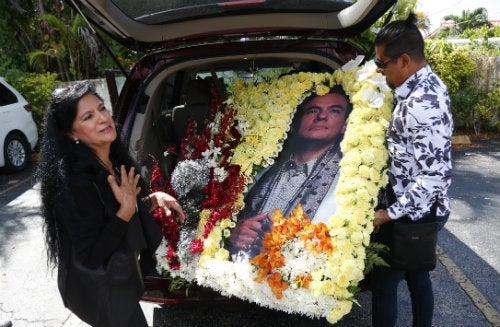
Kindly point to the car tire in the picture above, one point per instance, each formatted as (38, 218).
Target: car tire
(16, 152)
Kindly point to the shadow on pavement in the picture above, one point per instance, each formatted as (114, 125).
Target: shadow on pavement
(15, 216)
(481, 274)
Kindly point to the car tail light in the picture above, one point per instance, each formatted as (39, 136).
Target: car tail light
(27, 108)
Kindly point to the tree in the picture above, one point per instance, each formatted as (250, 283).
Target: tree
(470, 19)
(69, 45)
(15, 34)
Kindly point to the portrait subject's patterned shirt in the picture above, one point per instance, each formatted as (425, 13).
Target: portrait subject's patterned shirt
(419, 143)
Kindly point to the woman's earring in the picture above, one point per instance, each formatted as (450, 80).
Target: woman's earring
(77, 141)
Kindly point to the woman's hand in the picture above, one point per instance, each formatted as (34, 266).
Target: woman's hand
(168, 203)
(125, 190)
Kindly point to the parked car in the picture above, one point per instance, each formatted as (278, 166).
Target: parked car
(192, 46)
(18, 131)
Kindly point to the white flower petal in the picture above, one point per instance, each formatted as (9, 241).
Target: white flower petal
(373, 98)
(353, 64)
(366, 71)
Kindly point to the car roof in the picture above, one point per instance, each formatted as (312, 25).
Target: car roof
(155, 24)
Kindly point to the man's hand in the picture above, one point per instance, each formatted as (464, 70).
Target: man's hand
(381, 217)
(249, 232)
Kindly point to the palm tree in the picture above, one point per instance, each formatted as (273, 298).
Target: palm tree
(71, 46)
(470, 19)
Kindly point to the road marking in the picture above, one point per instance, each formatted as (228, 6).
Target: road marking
(468, 287)
(14, 186)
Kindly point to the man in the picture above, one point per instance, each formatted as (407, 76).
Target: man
(419, 143)
(304, 174)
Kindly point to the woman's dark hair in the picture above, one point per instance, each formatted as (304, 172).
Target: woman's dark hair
(61, 156)
(402, 36)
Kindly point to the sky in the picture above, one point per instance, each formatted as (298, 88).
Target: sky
(437, 9)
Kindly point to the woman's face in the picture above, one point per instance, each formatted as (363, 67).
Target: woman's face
(93, 124)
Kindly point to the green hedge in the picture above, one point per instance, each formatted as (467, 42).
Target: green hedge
(470, 75)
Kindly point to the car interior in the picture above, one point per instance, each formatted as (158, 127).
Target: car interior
(182, 93)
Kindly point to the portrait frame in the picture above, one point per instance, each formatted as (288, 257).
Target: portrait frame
(246, 133)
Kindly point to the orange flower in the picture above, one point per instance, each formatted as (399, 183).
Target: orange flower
(277, 284)
(317, 238)
(263, 263)
(303, 281)
(273, 240)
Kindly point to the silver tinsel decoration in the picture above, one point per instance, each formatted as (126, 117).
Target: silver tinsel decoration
(190, 176)
(188, 180)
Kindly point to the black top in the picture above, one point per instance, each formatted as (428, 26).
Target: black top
(86, 213)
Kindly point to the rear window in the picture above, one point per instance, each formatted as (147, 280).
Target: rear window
(161, 11)
(6, 96)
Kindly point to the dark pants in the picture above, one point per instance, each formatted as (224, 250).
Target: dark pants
(384, 285)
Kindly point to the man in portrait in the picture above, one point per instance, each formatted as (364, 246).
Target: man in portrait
(305, 172)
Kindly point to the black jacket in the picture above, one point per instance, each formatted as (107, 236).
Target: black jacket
(90, 230)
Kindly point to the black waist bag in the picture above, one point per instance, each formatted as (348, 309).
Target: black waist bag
(414, 245)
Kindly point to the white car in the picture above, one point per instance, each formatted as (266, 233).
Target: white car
(18, 131)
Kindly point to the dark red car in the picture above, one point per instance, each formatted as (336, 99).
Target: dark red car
(194, 45)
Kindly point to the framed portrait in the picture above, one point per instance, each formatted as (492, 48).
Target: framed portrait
(305, 153)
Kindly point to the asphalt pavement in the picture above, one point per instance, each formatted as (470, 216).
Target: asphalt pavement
(466, 280)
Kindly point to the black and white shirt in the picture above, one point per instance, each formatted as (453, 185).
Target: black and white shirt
(419, 143)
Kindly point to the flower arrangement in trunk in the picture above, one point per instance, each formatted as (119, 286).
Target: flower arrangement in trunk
(305, 268)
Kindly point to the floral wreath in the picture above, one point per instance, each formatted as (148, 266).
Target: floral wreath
(311, 269)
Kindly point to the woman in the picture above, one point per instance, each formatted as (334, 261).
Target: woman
(96, 227)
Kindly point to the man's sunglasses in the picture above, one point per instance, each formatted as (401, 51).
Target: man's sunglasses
(381, 64)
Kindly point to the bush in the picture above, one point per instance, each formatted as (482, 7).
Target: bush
(489, 108)
(454, 65)
(470, 75)
(36, 88)
(464, 106)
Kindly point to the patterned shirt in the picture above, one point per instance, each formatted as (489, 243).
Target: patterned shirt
(291, 180)
(419, 143)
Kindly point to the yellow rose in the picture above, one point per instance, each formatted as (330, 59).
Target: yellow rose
(221, 254)
(351, 270)
(345, 200)
(357, 238)
(322, 89)
(349, 171)
(336, 221)
(341, 309)
(358, 217)
(317, 274)
(327, 287)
